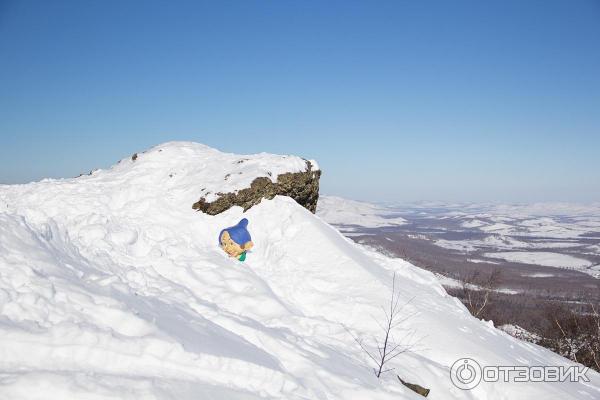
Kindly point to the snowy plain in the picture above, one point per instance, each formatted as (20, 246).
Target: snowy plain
(542, 258)
(112, 287)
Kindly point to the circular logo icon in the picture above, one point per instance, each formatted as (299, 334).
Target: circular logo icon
(465, 373)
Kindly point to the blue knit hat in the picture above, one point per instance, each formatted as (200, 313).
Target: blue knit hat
(238, 233)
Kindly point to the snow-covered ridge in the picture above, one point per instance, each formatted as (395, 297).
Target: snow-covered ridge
(181, 171)
(112, 287)
(344, 212)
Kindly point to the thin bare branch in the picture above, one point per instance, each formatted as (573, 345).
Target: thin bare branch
(388, 348)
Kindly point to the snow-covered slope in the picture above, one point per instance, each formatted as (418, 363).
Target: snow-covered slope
(112, 287)
(346, 213)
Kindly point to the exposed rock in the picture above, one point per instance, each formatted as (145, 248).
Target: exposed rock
(88, 174)
(300, 186)
(415, 388)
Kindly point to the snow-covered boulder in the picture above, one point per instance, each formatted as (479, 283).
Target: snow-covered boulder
(302, 186)
(217, 181)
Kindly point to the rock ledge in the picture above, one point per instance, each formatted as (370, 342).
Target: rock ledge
(300, 186)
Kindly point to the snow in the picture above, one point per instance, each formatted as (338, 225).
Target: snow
(474, 223)
(497, 228)
(480, 261)
(539, 275)
(112, 287)
(552, 245)
(499, 241)
(460, 245)
(542, 258)
(548, 220)
(503, 243)
(192, 170)
(547, 208)
(594, 249)
(449, 282)
(520, 332)
(494, 241)
(338, 211)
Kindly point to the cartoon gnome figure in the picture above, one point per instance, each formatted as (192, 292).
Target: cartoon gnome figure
(236, 240)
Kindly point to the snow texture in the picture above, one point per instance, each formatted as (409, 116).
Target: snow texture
(343, 212)
(112, 287)
(544, 258)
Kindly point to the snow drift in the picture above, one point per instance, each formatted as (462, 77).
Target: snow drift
(112, 287)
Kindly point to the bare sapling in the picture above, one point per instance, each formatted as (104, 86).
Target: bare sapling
(476, 291)
(388, 346)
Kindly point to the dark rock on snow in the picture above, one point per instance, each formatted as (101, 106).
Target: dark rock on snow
(300, 186)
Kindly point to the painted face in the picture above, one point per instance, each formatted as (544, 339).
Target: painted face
(231, 247)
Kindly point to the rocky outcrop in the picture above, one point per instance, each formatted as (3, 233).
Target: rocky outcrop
(300, 186)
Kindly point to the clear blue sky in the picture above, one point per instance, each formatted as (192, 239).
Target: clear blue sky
(419, 100)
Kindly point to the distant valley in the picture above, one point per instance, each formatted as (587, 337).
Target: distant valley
(545, 253)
